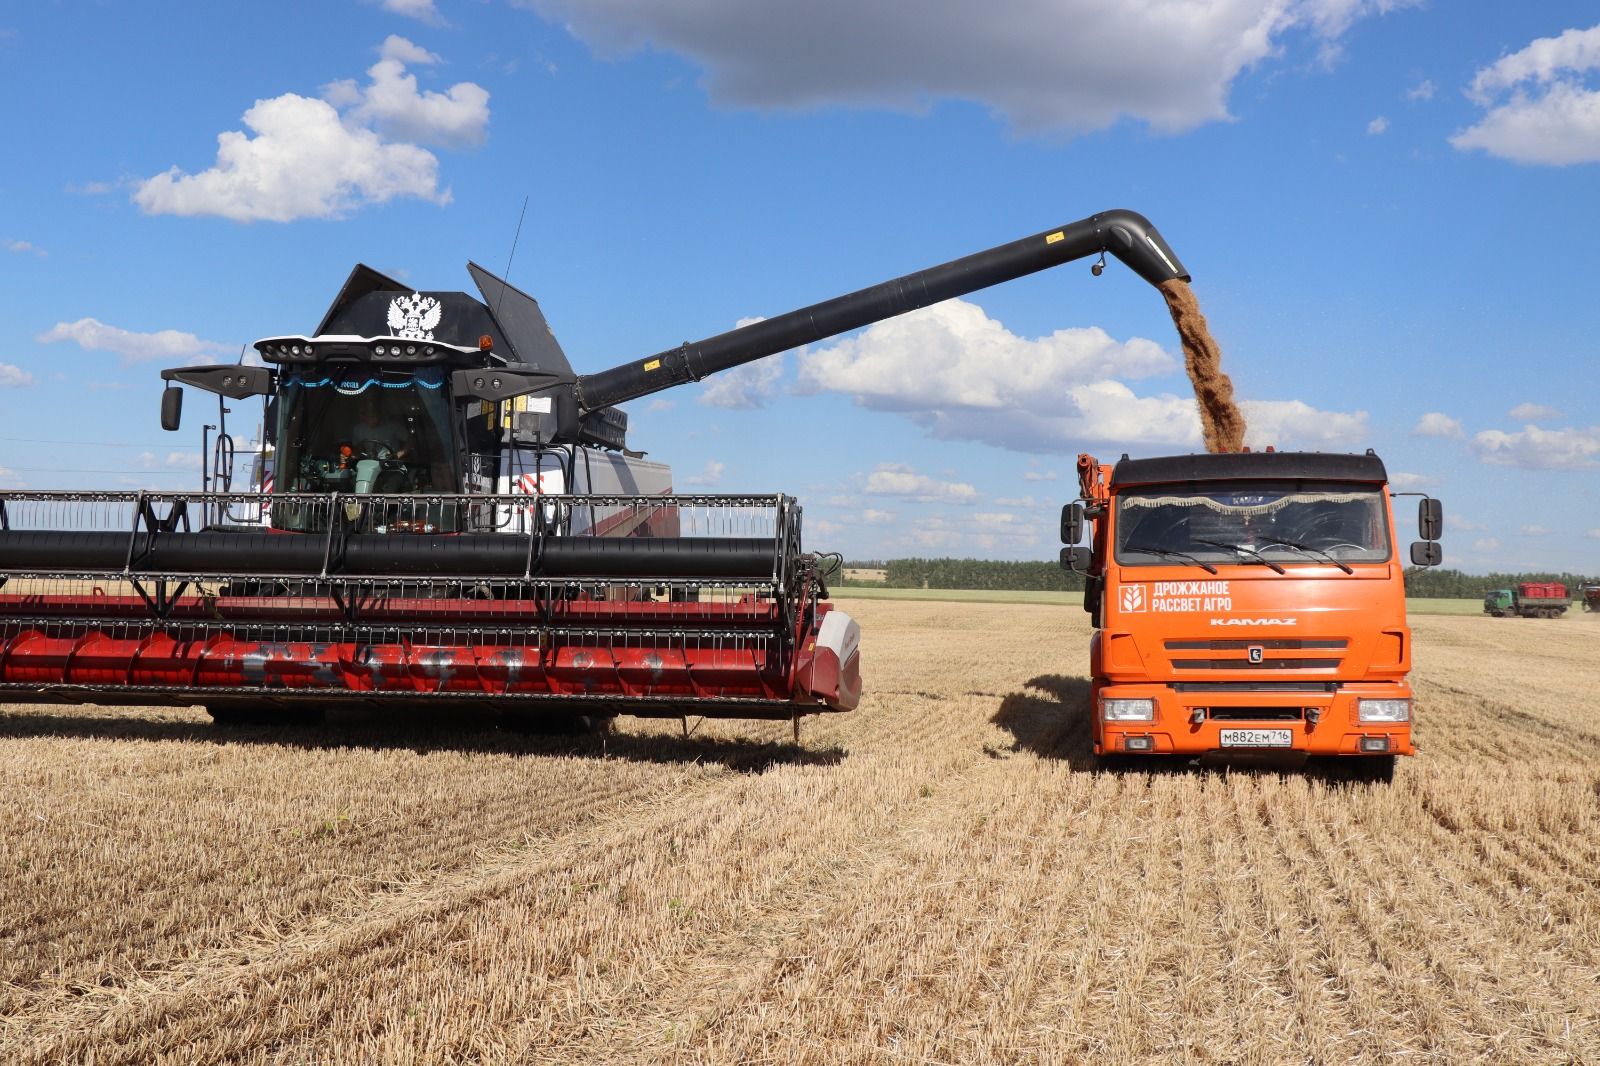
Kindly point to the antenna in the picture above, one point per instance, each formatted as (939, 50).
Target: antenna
(506, 274)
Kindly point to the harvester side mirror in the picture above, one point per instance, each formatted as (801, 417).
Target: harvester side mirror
(569, 422)
(171, 408)
(1072, 523)
(1075, 559)
(1430, 518)
(1426, 553)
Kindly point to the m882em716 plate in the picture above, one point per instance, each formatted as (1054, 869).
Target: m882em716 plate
(1257, 738)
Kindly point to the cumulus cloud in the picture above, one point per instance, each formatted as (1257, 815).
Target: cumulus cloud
(1540, 103)
(1487, 544)
(1534, 531)
(745, 387)
(1038, 475)
(391, 103)
(898, 479)
(962, 375)
(1423, 90)
(421, 10)
(710, 477)
(1593, 534)
(14, 376)
(1540, 449)
(303, 158)
(1405, 482)
(1069, 65)
(1280, 422)
(93, 335)
(1533, 412)
(1377, 126)
(1437, 424)
(25, 248)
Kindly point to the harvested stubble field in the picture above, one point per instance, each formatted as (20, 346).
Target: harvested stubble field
(940, 877)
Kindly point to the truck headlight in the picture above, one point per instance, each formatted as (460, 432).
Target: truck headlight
(1383, 710)
(1127, 710)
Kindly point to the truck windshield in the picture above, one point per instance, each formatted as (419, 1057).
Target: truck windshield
(363, 430)
(1262, 523)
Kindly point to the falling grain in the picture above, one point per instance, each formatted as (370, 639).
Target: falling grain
(1221, 423)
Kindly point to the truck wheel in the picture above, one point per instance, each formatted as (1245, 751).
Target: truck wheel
(1377, 768)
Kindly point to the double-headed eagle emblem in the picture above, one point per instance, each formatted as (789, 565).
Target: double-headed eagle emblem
(414, 317)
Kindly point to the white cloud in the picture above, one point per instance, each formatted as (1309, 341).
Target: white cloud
(710, 477)
(744, 387)
(1025, 502)
(658, 404)
(1294, 422)
(1593, 534)
(1377, 126)
(1539, 107)
(1534, 531)
(1437, 424)
(1533, 412)
(421, 10)
(962, 375)
(14, 376)
(1404, 482)
(1423, 90)
(392, 104)
(1487, 544)
(304, 159)
(9, 479)
(25, 248)
(1540, 449)
(874, 517)
(898, 479)
(1072, 65)
(93, 335)
(1462, 525)
(1038, 475)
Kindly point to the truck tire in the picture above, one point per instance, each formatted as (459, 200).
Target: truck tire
(1375, 768)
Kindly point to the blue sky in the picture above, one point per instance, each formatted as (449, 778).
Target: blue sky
(1388, 208)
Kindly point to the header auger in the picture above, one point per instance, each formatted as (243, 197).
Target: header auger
(442, 511)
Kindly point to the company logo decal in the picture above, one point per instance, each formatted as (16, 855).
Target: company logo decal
(1253, 621)
(1255, 653)
(1133, 598)
(1165, 597)
(414, 317)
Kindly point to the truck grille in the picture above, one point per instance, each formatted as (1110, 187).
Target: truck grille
(1277, 653)
(1255, 714)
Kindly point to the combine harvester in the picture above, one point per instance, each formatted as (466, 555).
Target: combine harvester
(445, 514)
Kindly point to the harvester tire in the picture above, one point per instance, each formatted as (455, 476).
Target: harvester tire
(1376, 768)
(229, 717)
(555, 724)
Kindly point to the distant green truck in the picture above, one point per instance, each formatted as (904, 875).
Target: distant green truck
(1530, 599)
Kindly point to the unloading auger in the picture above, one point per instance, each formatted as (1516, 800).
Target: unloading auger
(443, 513)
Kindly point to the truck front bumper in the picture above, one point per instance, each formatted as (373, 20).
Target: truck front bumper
(1189, 722)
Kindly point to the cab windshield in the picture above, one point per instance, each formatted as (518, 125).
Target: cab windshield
(364, 430)
(1281, 523)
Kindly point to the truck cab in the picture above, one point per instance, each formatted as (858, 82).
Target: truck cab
(1247, 603)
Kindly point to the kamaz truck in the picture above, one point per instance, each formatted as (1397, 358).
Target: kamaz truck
(1247, 603)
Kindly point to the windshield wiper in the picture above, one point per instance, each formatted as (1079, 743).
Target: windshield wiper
(1318, 552)
(1241, 549)
(1207, 567)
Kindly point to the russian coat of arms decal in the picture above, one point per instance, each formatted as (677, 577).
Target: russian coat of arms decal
(414, 317)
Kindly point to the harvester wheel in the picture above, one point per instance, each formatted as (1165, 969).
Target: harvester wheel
(555, 724)
(228, 717)
(1378, 768)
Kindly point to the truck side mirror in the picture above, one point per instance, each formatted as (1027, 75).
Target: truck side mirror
(1430, 518)
(1075, 559)
(569, 422)
(171, 408)
(1072, 523)
(1426, 553)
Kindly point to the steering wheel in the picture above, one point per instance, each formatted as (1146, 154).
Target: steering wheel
(375, 449)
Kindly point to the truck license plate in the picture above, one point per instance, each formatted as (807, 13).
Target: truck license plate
(1257, 738)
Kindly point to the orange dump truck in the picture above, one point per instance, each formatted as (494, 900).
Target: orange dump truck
(1249, 602)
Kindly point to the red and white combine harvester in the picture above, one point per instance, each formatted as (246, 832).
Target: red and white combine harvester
(444, 513)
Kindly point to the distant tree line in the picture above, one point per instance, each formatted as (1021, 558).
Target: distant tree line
(998, 574)
(1455, 585)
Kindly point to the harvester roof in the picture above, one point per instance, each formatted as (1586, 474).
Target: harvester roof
(1232, 466)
